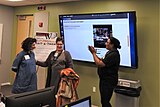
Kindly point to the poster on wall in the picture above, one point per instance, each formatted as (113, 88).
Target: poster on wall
(1, 28)
(46, 42)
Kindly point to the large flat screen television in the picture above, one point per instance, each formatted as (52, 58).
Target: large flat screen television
(81, 30)
(40, 98)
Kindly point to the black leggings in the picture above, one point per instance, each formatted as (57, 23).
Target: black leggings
(106, 91)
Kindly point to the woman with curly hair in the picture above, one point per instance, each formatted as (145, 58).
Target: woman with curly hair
(24, 65)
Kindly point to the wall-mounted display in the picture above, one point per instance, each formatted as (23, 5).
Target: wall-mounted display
(81, 30)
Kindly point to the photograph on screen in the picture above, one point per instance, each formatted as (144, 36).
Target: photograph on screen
(100, 35)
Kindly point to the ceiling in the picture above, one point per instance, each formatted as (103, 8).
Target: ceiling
(31, 2)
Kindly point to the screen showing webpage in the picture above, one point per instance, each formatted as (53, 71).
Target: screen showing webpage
(80, 31)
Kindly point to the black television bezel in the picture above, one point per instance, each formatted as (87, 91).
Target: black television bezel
(133, 42)
(32, 99)
(88, 98)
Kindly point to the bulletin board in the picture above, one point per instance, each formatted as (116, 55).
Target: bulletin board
(1, 32)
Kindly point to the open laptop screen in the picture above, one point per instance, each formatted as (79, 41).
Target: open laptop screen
(84, 102)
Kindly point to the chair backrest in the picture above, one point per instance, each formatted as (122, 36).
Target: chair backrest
(6, 89)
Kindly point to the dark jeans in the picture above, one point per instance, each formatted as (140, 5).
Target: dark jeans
(106, 91)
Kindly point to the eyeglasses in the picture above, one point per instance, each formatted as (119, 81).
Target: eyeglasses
(108, 42)
(59, 44)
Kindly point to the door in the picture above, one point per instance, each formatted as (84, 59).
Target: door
(24, 30)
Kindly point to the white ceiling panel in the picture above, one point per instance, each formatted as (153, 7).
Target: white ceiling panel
(31, 2)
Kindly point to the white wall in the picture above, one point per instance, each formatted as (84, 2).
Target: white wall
(6, 18)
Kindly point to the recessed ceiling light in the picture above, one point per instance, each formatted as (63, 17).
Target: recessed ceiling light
(15, 0)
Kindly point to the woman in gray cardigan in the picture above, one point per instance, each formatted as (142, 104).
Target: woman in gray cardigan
(56, 61)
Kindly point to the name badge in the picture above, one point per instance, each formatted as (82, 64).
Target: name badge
(103, 57)
(26, 57)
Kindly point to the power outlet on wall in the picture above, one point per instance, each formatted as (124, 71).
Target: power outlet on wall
(94, 89)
